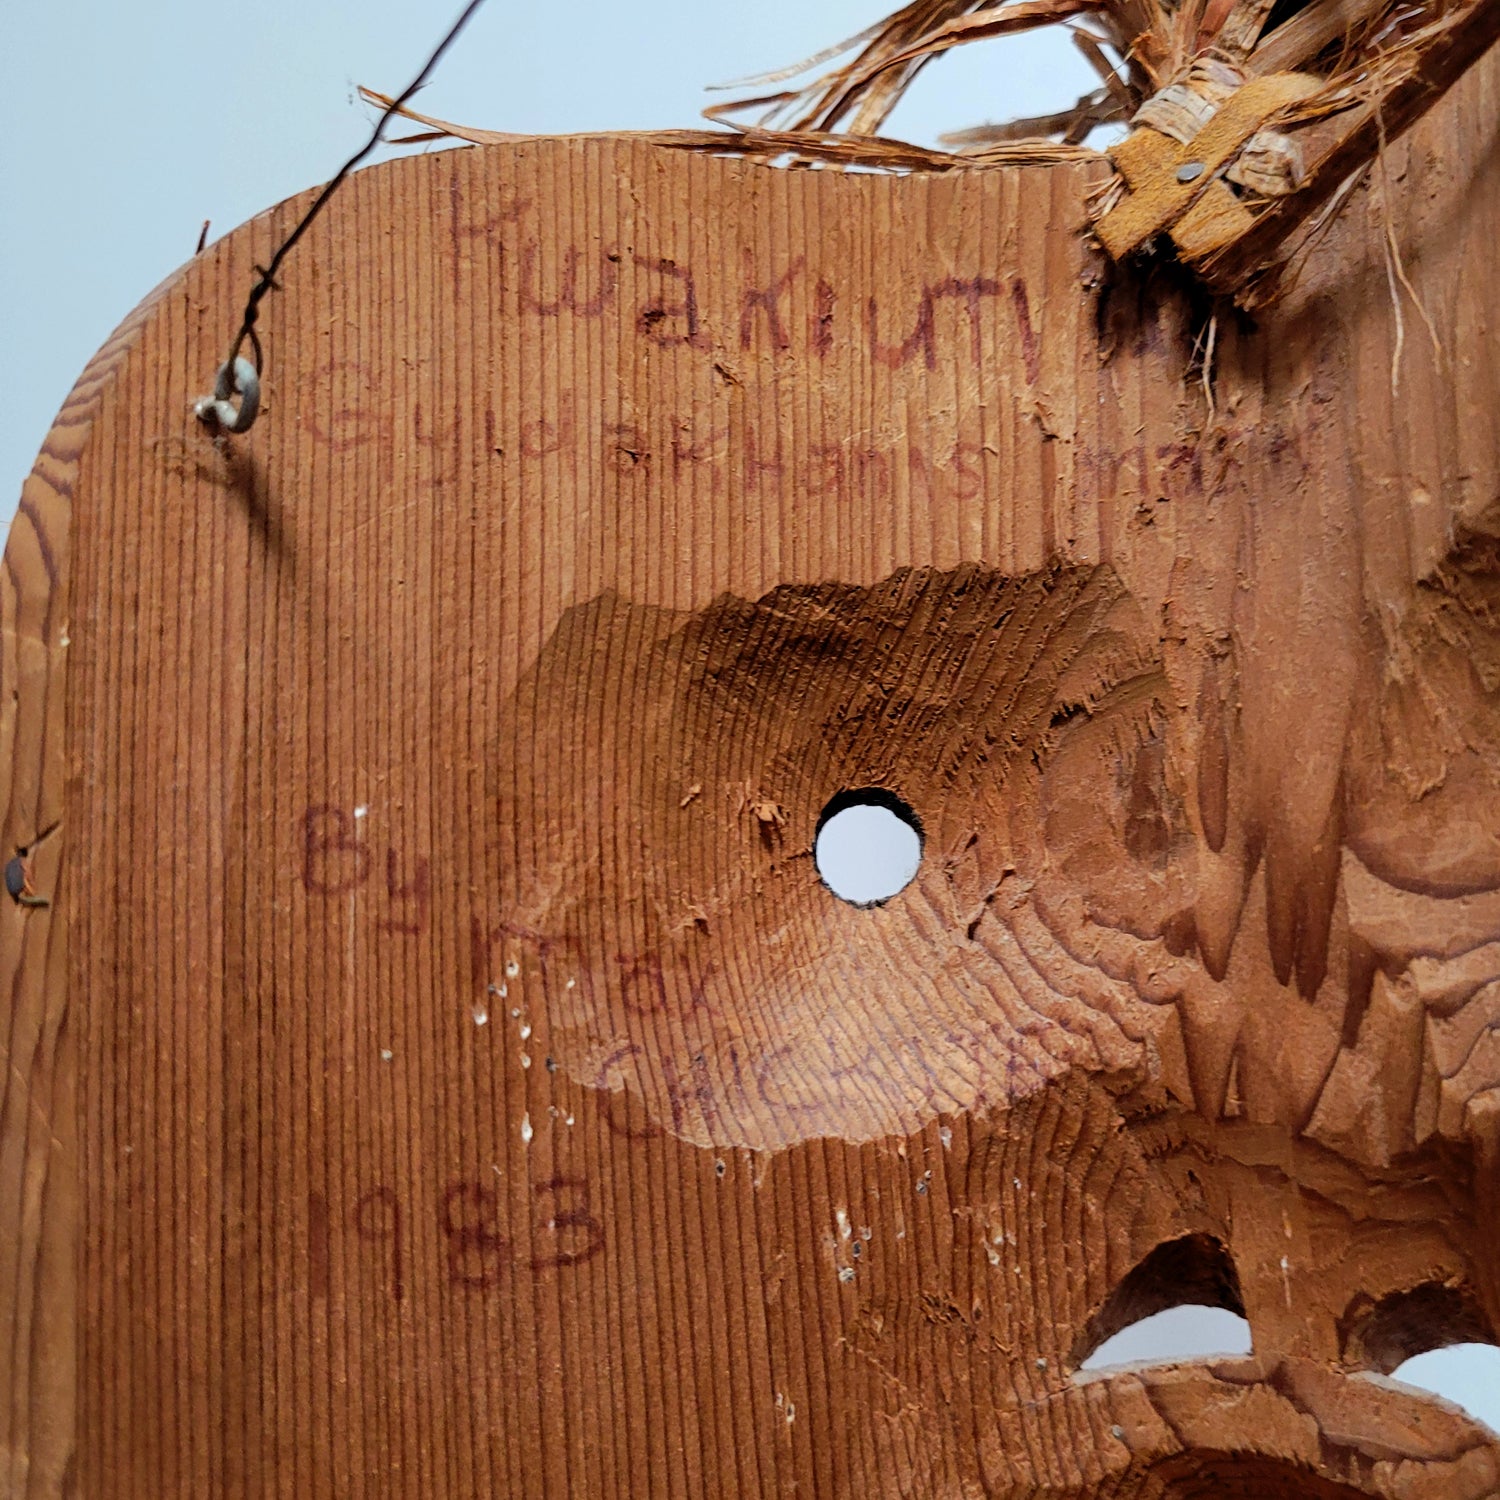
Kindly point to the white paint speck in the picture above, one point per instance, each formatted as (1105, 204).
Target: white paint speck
(515, 1010)
(844, 1230)
(362, 810)
(512, 969)
(945, 1135)
(572, 984)
(993, 1254)
(846, 1273)
(386, 1054)
(525, 1030)
(525, 1059)
(1015, 1182)
(497, 990)
(526, 1131)
(481, 1016)
(569, 1120)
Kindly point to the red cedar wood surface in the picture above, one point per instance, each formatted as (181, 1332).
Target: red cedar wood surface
(455, 1079)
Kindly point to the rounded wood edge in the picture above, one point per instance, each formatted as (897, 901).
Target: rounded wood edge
(53, 599)
(39, 1159)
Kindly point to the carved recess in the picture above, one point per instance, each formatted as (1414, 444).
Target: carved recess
(1113, 882)
(1298, 1048)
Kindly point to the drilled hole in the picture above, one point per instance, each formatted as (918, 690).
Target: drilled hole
(868, 846)
(1182, 1302)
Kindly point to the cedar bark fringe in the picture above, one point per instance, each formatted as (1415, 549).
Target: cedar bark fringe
(1372, 68)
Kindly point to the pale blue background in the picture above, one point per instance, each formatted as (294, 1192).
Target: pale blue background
(124, 126)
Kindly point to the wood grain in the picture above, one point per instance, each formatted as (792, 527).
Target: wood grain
(476, 1093)
(39, 1143)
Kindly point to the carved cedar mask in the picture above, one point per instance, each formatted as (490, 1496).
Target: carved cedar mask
(477, 1088)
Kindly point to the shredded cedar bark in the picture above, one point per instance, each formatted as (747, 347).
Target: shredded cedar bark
(1336, 80)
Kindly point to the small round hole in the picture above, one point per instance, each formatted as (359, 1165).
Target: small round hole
(868, 846)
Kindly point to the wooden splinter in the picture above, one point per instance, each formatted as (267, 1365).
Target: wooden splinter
(442, 1069)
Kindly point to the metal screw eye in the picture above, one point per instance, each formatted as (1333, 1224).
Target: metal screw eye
(219, 410)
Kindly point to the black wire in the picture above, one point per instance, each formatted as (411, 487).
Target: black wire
(267, 282)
